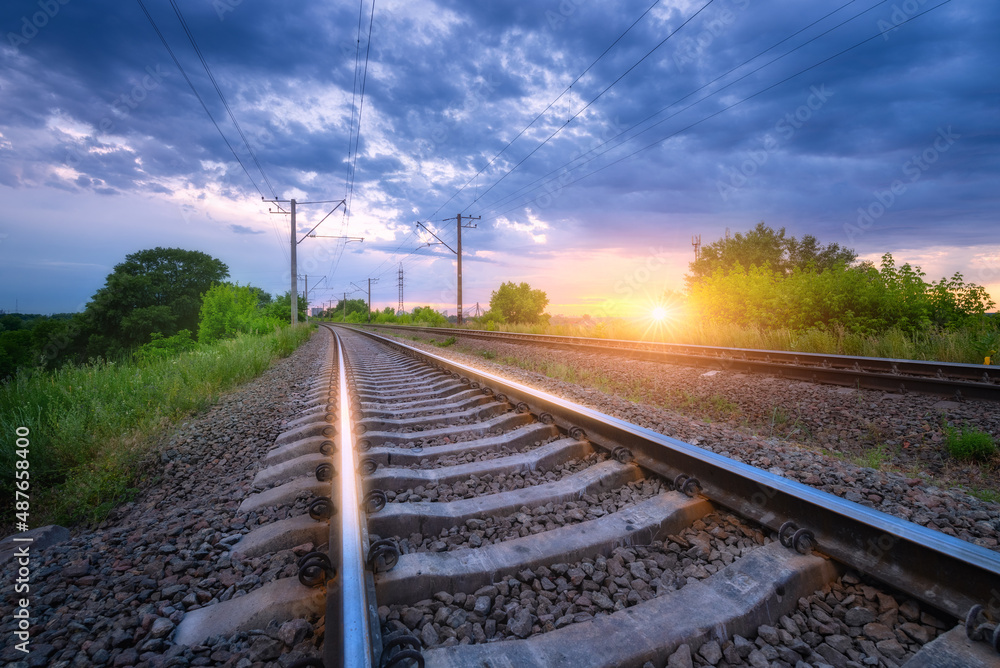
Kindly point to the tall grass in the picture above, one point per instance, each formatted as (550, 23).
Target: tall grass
(969, 345)
(91, 426)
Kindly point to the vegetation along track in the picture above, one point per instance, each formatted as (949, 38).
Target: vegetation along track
(948, 379)
(465, 520)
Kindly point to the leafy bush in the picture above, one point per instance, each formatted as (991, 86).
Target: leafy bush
(859, 299)
(229, 309)
(969, 444)
(160, 347)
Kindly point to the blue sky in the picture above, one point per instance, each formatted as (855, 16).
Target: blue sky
(864, 123)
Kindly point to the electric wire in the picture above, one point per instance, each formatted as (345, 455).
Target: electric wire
(586, 106)
(357, 140)
(413, 233)
(735, 104)
(225, 103)
(547, 107)
(201, 101)
(197, 95)
(527, 187)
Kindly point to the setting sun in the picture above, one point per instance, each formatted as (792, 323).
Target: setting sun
(659, 313)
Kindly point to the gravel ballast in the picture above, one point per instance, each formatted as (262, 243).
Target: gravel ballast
(112, 595)
(806, 432)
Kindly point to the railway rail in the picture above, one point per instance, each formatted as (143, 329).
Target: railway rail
(460, 519)
(958, 381)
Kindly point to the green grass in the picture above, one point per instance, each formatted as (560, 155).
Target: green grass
(969, 345)
(873, 458)
(92, 426)
(988, 495)
(968, 443)
(450, 341)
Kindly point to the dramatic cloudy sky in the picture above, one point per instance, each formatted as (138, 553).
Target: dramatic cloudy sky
(702, 117)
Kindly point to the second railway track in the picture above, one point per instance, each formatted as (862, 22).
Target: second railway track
(945, 379)
(509, 528)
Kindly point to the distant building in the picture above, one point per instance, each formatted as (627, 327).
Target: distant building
(316, 311)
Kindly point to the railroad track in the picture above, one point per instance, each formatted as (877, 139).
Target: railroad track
(958, 381)
(460, 519)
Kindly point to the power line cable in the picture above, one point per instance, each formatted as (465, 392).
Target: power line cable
(197, 95)
(357, 140)
(735, 104)
(592, 101)
(547, 107)
(203, 106)
(527, 187)
(225, 103)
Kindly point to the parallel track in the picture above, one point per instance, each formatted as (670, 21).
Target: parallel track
(958, 381)
(460, 519)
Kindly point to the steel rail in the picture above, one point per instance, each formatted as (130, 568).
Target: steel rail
(349, 609)
(960, 381)
(947, 573)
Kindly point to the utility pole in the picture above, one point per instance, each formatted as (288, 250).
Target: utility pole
(295, 277)
(345, 307)
(458, 219)
(458, 253)
(369, 295)
(399, 309)
(696, 242)
(295, 242)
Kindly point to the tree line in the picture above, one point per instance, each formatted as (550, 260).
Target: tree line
(768, 279)
(157, 301)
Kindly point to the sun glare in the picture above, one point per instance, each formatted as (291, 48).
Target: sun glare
(659, 313)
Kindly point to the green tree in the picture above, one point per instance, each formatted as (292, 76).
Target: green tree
(764, 246)
(155, 290)
(229, 309)
(280, 308)
(428, 317)
(353, 306)
(519, 303)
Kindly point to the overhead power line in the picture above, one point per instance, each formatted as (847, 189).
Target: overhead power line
(547, 107)
(225, 103)
(592, 101)
(584, 159)
(201, 101)
(197, 95)
(352, 156)
(735, 104)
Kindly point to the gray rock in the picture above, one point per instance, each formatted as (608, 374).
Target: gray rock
(294, 631)
(711, 652)
(482, 605)
(412, 617)
(457, 618)
(429, 635)
(769, 634)
(891, 648)
(161, 627)
(681, 658)
(264, 648)
(859, 616)
(743, 646)
(520, 624)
